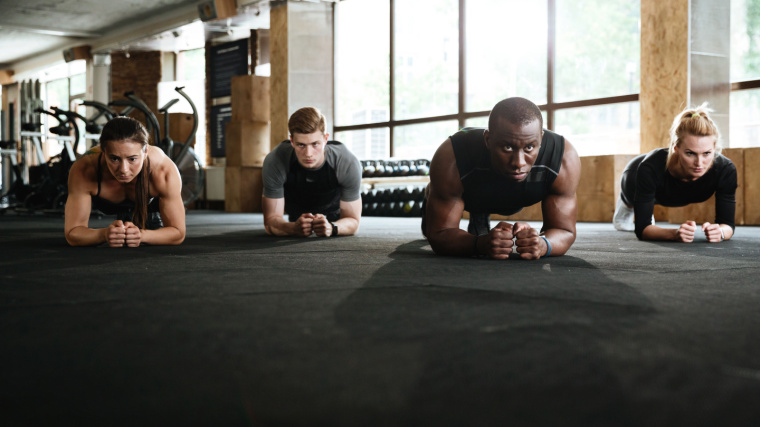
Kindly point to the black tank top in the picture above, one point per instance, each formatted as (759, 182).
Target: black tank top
(486, 191)
(312, 191)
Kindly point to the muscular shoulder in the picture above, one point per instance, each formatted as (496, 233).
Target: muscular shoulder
(84, 172)
(159, 161)
(444, 175)
(570, 171)
(162, 168)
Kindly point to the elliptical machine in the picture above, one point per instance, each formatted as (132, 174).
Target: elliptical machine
(182, 153)
(48, 188)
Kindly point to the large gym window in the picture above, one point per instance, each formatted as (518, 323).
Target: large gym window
(745, 74)
(422, 70)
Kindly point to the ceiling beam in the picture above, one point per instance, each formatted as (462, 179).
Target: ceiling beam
(49, 31)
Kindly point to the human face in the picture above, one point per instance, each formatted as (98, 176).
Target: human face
(124, 159)
(514, 148)
(310, 148)
(695, 155)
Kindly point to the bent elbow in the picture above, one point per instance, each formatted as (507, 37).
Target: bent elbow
(437, 247)
(71, 240)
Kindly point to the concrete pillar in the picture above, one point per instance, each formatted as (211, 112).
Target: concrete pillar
(684, 62)
(301, 43)
(99, 79)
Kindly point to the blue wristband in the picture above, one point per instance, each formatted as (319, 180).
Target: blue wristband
(549, 245)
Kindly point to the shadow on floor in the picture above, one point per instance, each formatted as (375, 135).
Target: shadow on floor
(482, 342)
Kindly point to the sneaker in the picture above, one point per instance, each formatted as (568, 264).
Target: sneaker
(623, 219)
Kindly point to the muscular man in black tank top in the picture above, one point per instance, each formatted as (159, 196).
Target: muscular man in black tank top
(512, 164)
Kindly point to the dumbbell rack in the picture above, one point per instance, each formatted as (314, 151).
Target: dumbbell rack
(399, 196)
(394, 187)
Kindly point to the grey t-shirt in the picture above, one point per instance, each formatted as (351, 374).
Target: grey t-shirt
(345, 165)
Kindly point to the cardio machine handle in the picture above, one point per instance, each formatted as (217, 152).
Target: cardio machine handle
(149, 116)
(190, 137)
(103, 110)
(168, 105)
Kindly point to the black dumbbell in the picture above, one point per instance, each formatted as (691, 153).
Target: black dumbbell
(416, 209)
(398, 195)
(418, 194)
(405, 193)
(408, 207)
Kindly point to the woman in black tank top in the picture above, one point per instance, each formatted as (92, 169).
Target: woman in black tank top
(123, 168)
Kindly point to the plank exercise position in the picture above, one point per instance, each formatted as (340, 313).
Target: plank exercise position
(315, 181)
(126, 177)
(513, 164)
(689, 171)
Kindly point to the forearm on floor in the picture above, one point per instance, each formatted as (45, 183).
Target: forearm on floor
(347, 226)
(279, 227)
(162, 236)
(560, 240)
(453, 242)
(84, 236)
(653, 232)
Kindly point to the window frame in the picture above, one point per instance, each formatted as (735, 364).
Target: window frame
(461, 115)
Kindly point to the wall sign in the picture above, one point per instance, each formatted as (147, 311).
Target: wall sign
(220, 115)
(227, 60)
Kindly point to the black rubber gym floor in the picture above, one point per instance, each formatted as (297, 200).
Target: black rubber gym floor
(235, 327)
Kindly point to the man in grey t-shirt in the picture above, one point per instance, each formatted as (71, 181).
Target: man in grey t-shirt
(315, 181)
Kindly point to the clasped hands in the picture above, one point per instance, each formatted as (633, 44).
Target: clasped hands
(506, 239)
(318, 224)
(123, 233)
(685, 233)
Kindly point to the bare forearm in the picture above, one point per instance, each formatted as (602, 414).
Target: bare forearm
(560, 240)
(347, 226)
(453, 242)
(653, 232)
(163, 236)
(279, 227)
(84, 236)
